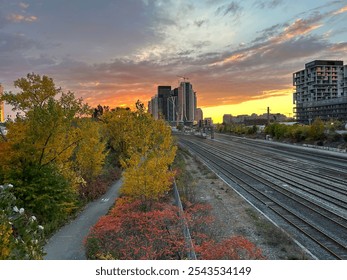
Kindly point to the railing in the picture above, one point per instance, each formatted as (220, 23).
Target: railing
(333, 101)
(188, 239)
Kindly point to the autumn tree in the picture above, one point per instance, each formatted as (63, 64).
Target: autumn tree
(146, 150)
(90, 153)
(147, 175)
(53, 148)
(118, 129)
(36, 92)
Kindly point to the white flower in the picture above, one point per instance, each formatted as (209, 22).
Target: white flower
(15, 209)
(1, 187)
(10, 185)
(21, 211)
(32, 219)
(40, 227)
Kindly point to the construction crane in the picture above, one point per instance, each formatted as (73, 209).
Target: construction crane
(184, 78)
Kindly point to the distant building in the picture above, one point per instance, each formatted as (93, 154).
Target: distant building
(186, 103)
(208, 121)
(240, 119)
(172, 105)
(153, 107)
(175, 106)
(254, 119)
(320, 91)
(199, 115)
(2, 106)
(227, 118)
(164, 93)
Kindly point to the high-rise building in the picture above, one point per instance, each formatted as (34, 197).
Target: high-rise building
(321, 91)
(186, 103)
(2, 109)
(164, 93)
(153, 107)
(175, 106)
(172, 105)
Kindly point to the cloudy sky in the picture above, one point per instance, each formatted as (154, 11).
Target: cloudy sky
(239, 55)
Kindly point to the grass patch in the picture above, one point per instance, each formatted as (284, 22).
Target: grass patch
(185, 181)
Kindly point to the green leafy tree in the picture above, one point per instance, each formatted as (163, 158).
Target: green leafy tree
(46, 193)
(316, 131)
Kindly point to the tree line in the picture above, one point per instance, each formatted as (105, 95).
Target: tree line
(318, 131)
(56, 157)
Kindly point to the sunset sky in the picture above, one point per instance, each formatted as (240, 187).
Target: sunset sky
(239, 55)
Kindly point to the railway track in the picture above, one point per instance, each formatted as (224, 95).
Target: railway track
(329, 191)
(328, 161)
(304, 210)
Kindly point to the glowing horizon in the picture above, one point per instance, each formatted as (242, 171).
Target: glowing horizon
(279, 104)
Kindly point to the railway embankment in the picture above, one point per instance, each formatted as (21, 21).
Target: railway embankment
(234, 216)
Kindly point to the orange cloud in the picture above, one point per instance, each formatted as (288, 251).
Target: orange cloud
(340, 11)
(234, 57)
(339, 47)
(298, 28)
(21, 18)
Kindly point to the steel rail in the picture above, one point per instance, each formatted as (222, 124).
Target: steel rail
(321, 194)
(271, 203)
(313, 159)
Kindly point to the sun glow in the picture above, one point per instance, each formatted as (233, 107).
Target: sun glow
(279, 104)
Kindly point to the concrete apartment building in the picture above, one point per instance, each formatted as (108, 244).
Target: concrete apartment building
(2, 109)
(320, 91)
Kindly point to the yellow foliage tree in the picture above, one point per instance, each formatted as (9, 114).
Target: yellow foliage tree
(145, 149)
(53, 131)
(90, 153)
(118, 128)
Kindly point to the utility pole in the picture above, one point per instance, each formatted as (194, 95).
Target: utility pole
(268, 115)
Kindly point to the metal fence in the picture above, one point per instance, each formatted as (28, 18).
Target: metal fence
(188, 239)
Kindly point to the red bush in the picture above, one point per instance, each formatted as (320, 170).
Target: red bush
(232, 248)
(132, 230)
(129, 233)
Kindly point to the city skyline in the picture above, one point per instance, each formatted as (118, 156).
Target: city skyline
(239, 55)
